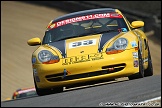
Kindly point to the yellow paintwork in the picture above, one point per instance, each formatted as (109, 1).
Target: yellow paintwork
(136, 24)
(93, 63)
(34, 41)
(88, 66)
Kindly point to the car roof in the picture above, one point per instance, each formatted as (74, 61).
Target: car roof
(84, 12)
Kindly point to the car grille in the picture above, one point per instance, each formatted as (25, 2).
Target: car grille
(62, 77)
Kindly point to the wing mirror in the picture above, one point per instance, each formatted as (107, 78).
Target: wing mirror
(137, 24)
(34, 41)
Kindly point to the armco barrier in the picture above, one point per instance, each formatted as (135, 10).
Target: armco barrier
(73, 6)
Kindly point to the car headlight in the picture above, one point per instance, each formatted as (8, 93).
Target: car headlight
(46, 57)
(118, 46)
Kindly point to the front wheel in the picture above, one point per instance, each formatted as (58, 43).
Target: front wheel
(42, 92)
(140, 74)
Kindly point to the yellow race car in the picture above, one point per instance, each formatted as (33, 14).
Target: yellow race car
(89, 45)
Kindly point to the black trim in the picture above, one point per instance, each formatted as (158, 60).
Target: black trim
(61, 46)
(105, 38)
(82, 13)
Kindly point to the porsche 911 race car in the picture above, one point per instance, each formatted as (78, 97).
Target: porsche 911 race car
(89, 45)
(23, 93)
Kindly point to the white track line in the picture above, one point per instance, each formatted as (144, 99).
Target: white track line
(153, 99)
(146, 101)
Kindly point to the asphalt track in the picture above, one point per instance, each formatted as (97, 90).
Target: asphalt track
(100, 95)
(20, 22)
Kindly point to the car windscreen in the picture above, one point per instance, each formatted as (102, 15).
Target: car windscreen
(84, 26)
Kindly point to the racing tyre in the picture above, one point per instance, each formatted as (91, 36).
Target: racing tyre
(140, 74)
(42, 92)
(149, 70)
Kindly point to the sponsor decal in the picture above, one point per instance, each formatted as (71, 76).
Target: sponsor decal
(123, 29)
(52, 26)
(82, 43)
(83, 58)
(33, 60)
(135, 63)
(65, 73)
(134, 44)
(35, 71)
(145, 60)
(48, 26)
(87, 17)
(37, 79)
(135, 54)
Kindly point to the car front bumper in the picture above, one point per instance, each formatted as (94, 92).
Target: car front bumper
(82, 69)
